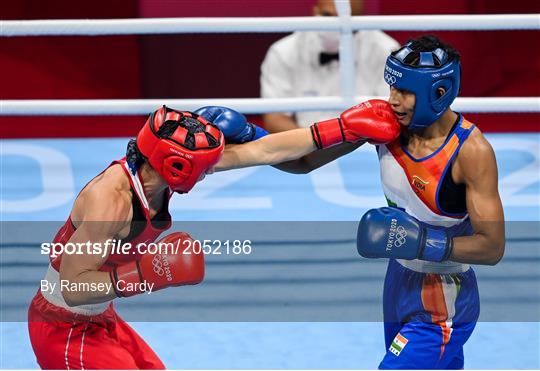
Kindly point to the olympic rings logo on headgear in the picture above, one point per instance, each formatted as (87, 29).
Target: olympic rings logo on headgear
(401, 233)
(424, 80)
(390, 80)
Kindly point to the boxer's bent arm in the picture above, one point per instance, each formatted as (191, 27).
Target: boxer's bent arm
(316, 159)
(478, 168)
(269, 150)
(105, 215)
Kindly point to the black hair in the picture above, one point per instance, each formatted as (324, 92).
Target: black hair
(428, 43)
(134, 157)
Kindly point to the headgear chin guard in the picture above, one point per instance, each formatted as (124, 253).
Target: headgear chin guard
(423, 80)
(181, 153)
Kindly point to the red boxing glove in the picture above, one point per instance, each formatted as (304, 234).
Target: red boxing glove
(175, 265)
(373, 120)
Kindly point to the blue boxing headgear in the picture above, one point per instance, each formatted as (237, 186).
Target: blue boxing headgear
(434, 70)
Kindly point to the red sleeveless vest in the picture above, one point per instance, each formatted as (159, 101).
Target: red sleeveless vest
(148, 234)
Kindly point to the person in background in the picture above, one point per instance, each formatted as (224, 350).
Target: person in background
(306, 64)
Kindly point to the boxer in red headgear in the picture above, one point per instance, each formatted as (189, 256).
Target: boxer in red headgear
(72, 322)
(180, 159)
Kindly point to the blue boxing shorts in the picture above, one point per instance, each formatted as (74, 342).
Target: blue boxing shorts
(428, 317)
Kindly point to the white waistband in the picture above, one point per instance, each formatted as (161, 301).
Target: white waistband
(423, 266)
(55, 297)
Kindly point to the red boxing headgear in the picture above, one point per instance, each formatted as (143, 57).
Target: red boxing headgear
(182, 155)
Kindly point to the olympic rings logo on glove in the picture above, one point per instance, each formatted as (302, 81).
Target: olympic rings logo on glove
(158, 265)
(401, 233)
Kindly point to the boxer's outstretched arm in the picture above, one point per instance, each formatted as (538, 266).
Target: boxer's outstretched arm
(315, 160)
(373, 120)
(239, 156)
(269, 150)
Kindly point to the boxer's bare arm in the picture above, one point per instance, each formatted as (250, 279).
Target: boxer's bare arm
(269, 150)
(476, 167)
(316, 159)
(291, 151)
(103, 214)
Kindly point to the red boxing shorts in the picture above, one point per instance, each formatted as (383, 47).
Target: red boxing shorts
(65, 340)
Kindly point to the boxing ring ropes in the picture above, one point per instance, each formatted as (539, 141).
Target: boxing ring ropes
(343, 23)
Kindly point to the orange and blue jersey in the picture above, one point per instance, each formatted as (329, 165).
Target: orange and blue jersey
(430, 308)
(426, 176)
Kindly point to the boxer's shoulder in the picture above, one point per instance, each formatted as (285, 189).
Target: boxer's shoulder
(475, 151)
(107, 197)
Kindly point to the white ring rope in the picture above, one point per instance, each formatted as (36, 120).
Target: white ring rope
(146, 26)
(344, 24)
(245, 105)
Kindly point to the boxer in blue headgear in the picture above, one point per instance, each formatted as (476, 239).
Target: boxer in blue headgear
(444, 212)
(433, 76)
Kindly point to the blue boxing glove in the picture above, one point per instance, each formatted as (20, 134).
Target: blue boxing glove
(232, 124)
(392, 233)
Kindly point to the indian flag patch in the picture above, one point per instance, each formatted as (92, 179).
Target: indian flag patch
(398, 344)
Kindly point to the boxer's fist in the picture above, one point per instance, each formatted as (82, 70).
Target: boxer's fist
(232, 124)
(392, 233)
(373, 121)
(175, 265)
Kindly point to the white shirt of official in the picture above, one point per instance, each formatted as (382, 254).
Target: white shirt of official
(291, 68)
